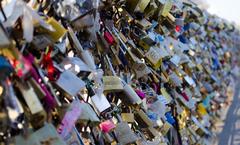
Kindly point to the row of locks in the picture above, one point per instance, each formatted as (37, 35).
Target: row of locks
(106, 72)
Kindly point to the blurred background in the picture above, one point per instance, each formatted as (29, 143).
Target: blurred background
(228, 10)
(228, 130)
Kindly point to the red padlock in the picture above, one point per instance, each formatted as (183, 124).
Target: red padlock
(109, 38)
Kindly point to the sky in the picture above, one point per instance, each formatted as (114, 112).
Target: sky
(227, 9)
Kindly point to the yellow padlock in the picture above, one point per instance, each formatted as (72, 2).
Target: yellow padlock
(58, 32)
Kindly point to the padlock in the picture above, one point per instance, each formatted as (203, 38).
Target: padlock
(154, 57)
(75, 65)
(37, 88)
(166, 127)
(41, 42)
(41, 86)
(128, 116)
(190, 81)
(175, 79)
(131, 95)
(58, 32)
(112, 83)
(5, 41)
(153, 133)
(166, 8)
(201, 109)
(151, 9)
(166, 95)
(141, 69)
(175, 60)
(84, 21)
(142, 119)
(107, 126)
(179, 22)
(158, 107)
(88, 115)
(109, 38)
(5, 67)
(37, 115)
(137, 5)
(146, 42)
(100, 103)
(201, 130)
(70, 118)
(45, 135)
(143, 24)
(124, 133)
(72, 89)
(85, 54)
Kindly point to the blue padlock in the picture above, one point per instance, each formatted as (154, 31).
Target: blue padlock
(5, 68)
(170, 118)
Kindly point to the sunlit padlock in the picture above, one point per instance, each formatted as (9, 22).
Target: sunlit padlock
(70, 84)
(58, 32)
(75, 65)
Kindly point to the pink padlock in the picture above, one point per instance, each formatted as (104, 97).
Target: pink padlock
(109, 38)
(140, 94)
(107, 126)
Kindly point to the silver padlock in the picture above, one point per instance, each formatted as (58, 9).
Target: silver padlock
(85, 54)
(75, 65)
(124, 134)
(100, 103)
(69, 83)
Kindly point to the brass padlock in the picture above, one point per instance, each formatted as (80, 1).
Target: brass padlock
(142, 119)
(58, 32)
(143, 24)
(37, 114)
(154, 57)
(5, 41)
(128, 116)
(137, 5)
(146, 42)
(166, 7)
(166, 127)
(151, 9)
(112, 83)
